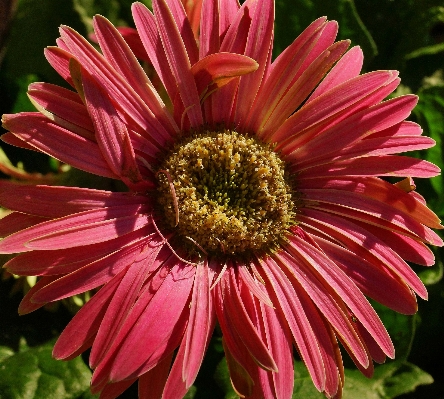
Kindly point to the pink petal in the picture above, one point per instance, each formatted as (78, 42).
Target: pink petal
(332, 142)
(63, 107)
(364, 244)
(112, 135)
(131, 107)
(382, 191)
(122, 301)
(242, 324)
(279, 341)
(41, 263)
(345, 288)
(86, 322)
(200, 325)
(290, 306)
(221, 68)
(283, 71)
(132, 38)
(183, 23)
(227, 13)
(149, 35)
(109, 223)
(62, 144)
(328, 302)
(209, 28)
(91, 276)
(348, 67)
(59, 60)
(152, 383)
(15, 221)
(158, 326)
(380, 284)
(46, 201)
(380, 165)
(27, 305)
(290, 98)
(179, 61)
(376, 209)
(258, 47)
(119, 55)
(335, 100)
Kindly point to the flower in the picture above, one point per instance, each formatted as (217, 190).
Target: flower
(256, 201)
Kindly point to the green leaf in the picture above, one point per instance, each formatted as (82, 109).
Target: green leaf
(303, 384)
(32, 373)
(389, 381)
(430, 115)
(433, 274)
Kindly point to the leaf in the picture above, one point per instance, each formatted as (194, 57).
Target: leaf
(433, 274)
(430, 115)
(303, 385)
(389, 381)
(32, 373)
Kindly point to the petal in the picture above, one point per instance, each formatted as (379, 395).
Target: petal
(158, 326)
(364, 244)
(62, 144)
(90, 276)
(379, 165)
(15, 221)
(119, 55)
(327, 301)
(200, 325)
(82, 227)
(179, 62)
(152, 383)
(131, 107)
(59, 201)
(339, 98)
(112, 135)
(86, 322)
(63, 107)
(209, 28)
(290, 306)
(346, 289)
(122, 301)
(219, 69)
(258, 46)
(149, 35)
(348, 67)
(292, 96)
(377, 283)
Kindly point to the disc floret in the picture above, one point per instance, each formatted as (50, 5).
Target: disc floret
(231, 193)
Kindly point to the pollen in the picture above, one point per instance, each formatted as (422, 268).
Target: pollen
(232, 193)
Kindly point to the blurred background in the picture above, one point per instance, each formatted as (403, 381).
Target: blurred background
(406, 35)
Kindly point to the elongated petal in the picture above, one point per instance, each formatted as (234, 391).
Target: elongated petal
(364, 244)
(179, 62)
(200, 325)
(45, 201)
(89, 318)
(60, 143)
(156, 325)
(50, 234)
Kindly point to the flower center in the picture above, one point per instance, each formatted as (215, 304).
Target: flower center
(226, 193)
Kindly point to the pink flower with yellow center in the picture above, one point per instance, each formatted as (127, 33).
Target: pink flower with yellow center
(257, 199)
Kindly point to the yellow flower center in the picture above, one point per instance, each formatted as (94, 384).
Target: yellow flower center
(226, 194)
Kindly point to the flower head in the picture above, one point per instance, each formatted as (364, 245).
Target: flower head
(257, 199)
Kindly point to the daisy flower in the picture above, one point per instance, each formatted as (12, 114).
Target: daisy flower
(257, 200)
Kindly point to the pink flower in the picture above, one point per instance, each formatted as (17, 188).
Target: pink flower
(256, 200)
